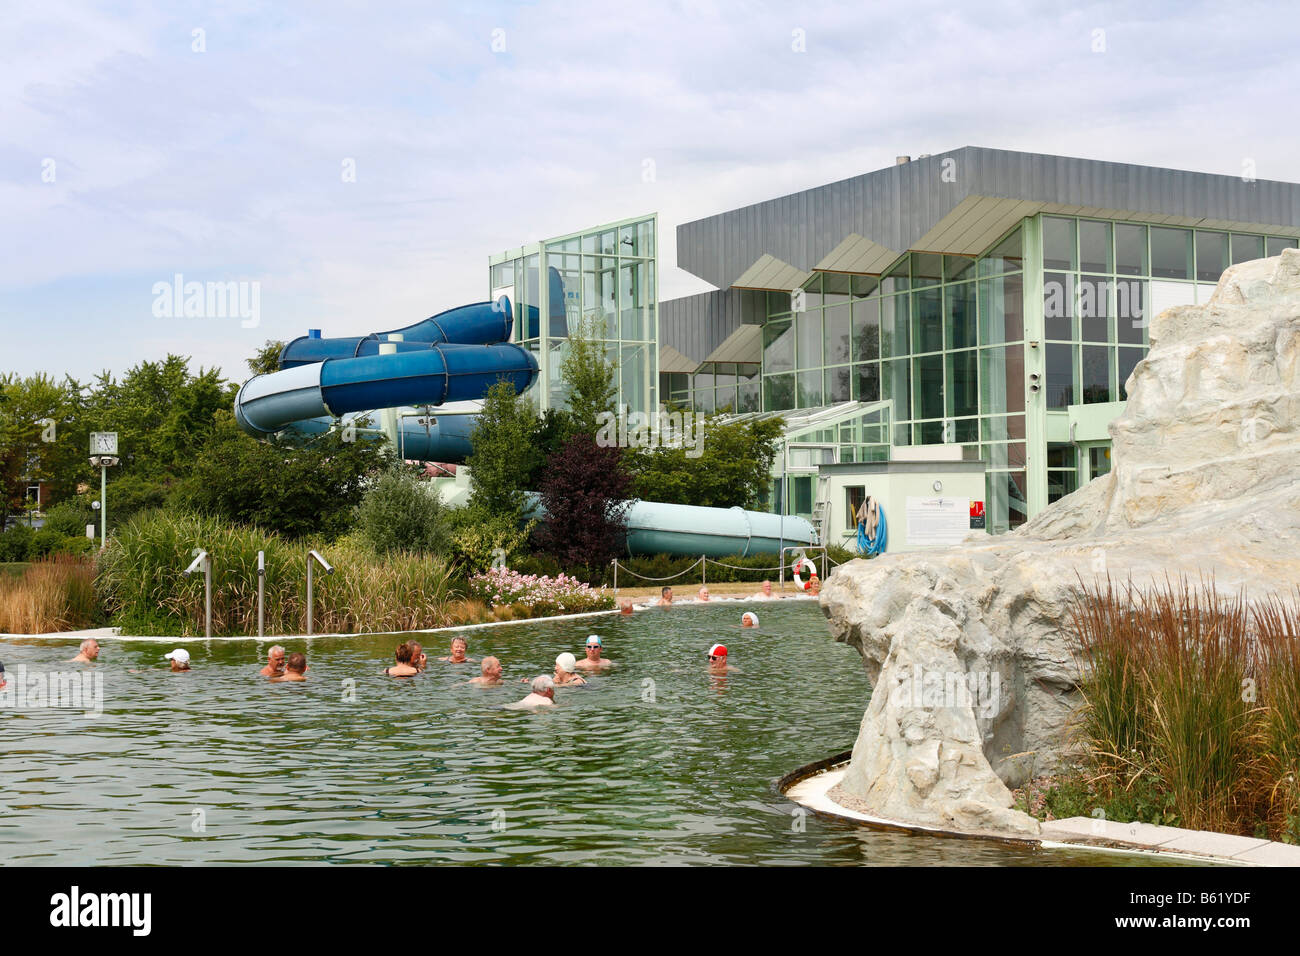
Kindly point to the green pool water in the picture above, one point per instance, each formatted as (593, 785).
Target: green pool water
(655, 762)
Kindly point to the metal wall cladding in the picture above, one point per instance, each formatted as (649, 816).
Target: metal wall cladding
(698, 324)
(897, 205)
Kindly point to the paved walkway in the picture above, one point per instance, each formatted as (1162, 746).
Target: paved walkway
(1079, 832)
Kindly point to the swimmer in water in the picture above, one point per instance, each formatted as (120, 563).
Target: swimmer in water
(458, 648)
(749, 619)
(765, 593)
(180, 659)
(718, 660)
(419, 659)
(274, 662)
(87, 653)
(593, 661)
(491, 676)
(295, 670)
(665, 597)
(814, 585)
(624, 605)
(403, 667)
(543, 695)
(566, 670)
(703, 596)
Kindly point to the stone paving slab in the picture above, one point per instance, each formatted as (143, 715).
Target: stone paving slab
(1271, 854)
(1089, 828)
(1083, 832)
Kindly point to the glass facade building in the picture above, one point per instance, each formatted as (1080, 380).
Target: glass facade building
(987, 350)
(604, 281)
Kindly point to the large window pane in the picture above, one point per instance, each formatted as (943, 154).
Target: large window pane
(636, 291)
(963, 383)
(1130, 249)
(1211, 255)
(1094, 309)
(1094, 246)
(808, 336)
(838, 386)
(927, 332)
(1002, 379)
(838, 321)
(959, 306)
(866, 329)
(778, 346)
(1001, 310)
(1245, 248)
(1128, 359)
(1095, 384)
(927, 269)
(1171, 253)
(928, 375)
(1058, 243)
(1060, 375)
(1276, 244)
(1130, 310)
(1006, 256)
(1058, 305)
(896, 321)
(897, 378)
(778, 392)
(866, 382)
(810, 388)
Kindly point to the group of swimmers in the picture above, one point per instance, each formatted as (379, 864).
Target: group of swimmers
(410, 660)
(666, 599)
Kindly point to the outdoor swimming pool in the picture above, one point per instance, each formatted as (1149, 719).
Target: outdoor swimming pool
(218, 766)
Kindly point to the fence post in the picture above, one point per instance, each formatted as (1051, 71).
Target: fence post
(704, 571)
(615, 580)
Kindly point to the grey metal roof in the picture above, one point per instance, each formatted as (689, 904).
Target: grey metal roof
(898, 206)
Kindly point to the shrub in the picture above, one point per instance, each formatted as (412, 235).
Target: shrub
(542, 595)
(399, 512)
(480, 539)
(69, 518)
(16, 543)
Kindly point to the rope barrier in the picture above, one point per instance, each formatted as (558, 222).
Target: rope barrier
(643, 577)
(738, 567)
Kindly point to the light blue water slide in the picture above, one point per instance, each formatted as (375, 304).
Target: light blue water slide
(456, 356)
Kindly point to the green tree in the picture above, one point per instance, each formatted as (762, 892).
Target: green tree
(589, 375)
(266, 359)
(296, 487)
(733, 468)
(504, 454)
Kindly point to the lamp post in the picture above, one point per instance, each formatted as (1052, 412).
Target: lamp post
(103, 455)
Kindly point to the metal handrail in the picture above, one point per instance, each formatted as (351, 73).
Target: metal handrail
(314, 556)
(203, 561)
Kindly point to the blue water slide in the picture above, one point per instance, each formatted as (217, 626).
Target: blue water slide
(456, 356)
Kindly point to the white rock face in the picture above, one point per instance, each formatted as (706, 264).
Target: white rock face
(1205, 482)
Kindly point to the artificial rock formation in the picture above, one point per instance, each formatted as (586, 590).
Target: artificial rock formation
(1205, 481)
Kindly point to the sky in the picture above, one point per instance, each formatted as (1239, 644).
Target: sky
(354, 164)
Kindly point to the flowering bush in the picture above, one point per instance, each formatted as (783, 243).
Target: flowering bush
(542, 594)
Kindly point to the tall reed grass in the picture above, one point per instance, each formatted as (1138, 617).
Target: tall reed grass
(53, 594)
(1196, 691)
(140, 576)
